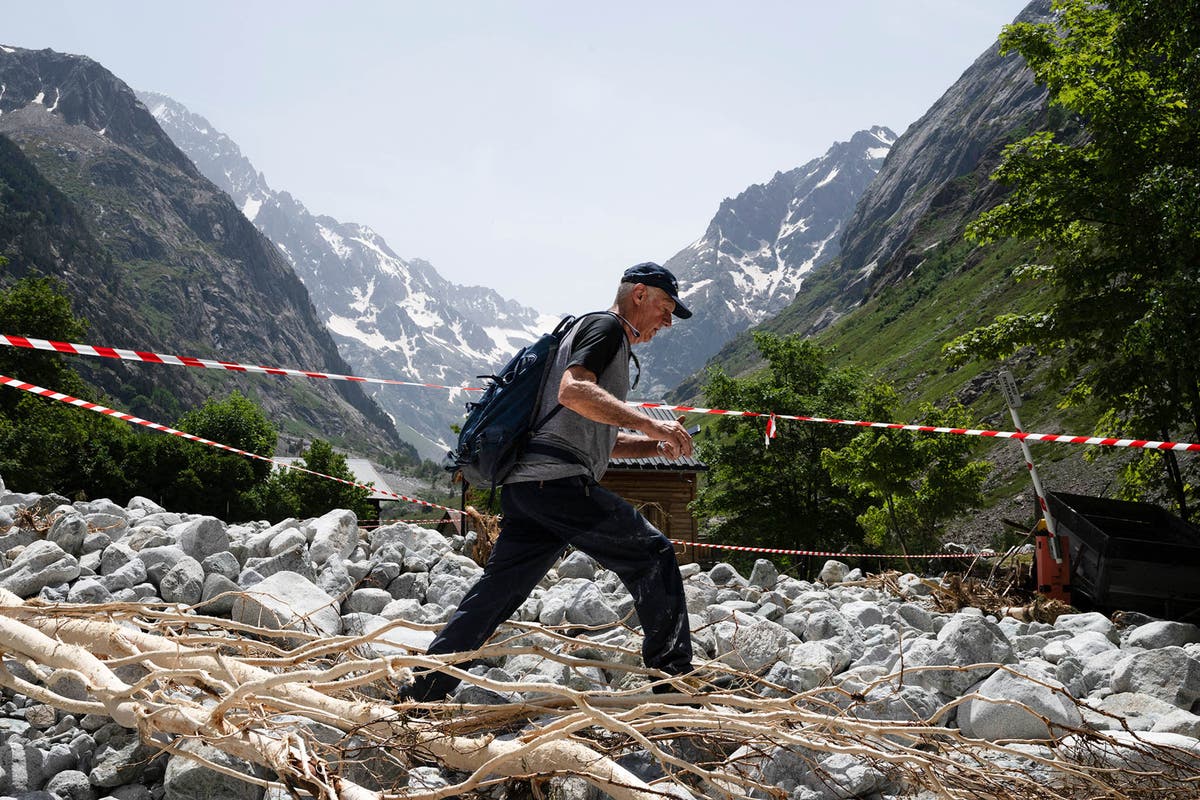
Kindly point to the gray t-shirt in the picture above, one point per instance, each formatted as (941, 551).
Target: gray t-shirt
(590, 442)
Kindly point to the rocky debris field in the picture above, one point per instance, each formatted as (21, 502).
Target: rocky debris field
(885, 654)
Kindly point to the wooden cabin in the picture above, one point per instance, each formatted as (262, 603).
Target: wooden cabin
(661, 489)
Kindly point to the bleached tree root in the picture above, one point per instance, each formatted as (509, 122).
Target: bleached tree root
(176, 677)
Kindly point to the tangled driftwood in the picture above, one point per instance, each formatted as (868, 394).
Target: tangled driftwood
(266, 696)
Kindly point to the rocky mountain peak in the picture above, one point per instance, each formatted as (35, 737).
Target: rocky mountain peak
(757, 250)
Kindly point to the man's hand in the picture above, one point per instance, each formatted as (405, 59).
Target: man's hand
(674, 439)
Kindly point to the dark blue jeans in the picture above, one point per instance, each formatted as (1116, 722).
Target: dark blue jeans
(540, 520)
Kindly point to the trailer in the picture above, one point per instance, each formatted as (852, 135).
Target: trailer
(1127, 556)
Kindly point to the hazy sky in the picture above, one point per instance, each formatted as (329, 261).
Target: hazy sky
(535, 147)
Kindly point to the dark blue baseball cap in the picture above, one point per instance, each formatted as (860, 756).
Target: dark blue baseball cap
(652, 274)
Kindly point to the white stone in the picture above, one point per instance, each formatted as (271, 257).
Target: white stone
(750, 643)
(334, 534)
(1169, 674)
(833, 572)
(1089, 621)
(288, 601)
(1163, 633)
(1025, 702)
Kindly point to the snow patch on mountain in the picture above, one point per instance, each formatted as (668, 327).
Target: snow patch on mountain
(758, 249)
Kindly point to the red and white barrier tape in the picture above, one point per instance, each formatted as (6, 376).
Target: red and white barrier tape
(233, 366)
(1148, 444)
(121, 415)
(827, 554)
(203, 363)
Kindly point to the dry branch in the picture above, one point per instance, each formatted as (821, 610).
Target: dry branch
(186, 678)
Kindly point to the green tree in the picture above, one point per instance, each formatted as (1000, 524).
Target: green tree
(39, 308)
(782, 495)
(201, 479)
(1112, 200)
(46, 446)
(916, 481)
(314, 495)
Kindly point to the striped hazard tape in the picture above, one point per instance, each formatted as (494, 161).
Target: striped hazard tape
(233, 366)
(824, 553)
(121, 415)
(147, 357)
(1148, 444)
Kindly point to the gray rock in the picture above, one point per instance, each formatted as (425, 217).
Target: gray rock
(831, 625)
(293, 560)
(288, 539)
(1169, 674)
(41, 564)
(335, 534)
(41, 716)
(334, 578)
(764, 575)
(410, 586)
(1178, 721)
(89, 590)
(1090, 621)
(448, 590)
(1163, 633)
(577, 565)
(144, 536)
(288, 601)
(95, 542)
(725, 575)
(71, 784)
(217, 596)
(68, 532)
(121, 762)
(113, 523)
(893, 703)
(144, 504)
(1138, 712)
(459, 566)
(1022, 708)
(1137, 751)
(862, 613)
(183, 583)
(367, 601)
(410, 539)
(160, 560)
(914, 585)
(833, 572)
(117, 555)
(126, 576)
(187, 779)
(577, 601)
(843, 775)
(404, 608)
(1083, 645)
(749, 643)
(139, 792)
(965, 640)
(222, 563)
(200, 537)
(916, 617)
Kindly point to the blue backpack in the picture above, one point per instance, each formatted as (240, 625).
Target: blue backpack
(500, 424)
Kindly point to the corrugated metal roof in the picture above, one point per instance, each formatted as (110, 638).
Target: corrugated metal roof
(362, 470)
(685, 464)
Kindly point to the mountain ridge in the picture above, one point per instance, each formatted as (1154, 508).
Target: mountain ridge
(165, 261)
(758, 250)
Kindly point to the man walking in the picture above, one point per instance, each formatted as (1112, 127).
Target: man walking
(552, 500)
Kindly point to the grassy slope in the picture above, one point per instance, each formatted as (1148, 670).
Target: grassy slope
(898, 334)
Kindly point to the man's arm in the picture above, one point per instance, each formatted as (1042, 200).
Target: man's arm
(579, 392)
